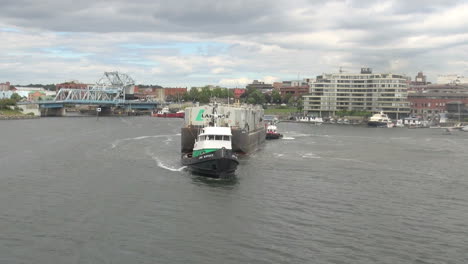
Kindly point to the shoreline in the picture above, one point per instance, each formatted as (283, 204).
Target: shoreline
(18, 117)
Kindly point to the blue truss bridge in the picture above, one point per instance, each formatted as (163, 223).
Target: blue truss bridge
(109, 92)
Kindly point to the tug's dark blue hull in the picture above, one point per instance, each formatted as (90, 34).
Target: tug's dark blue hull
(220, 163)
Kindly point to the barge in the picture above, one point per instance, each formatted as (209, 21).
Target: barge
(246, 123)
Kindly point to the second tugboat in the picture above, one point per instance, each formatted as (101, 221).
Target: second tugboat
(272, 132)
(212, 153)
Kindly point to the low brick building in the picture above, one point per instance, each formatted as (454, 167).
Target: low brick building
(174, 93)
(434, 102)
(294, 91)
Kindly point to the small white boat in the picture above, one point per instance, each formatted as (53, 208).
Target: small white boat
(310, 119)
(399, 123)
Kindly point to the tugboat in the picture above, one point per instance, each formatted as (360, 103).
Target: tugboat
(379, 120)
(272, 132)
(212, 153)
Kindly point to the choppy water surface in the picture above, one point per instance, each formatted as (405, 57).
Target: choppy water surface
(78, 190)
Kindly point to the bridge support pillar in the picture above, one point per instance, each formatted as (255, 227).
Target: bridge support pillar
(105, 111)
(52, 111)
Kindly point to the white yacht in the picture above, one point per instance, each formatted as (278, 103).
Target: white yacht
(379, 120)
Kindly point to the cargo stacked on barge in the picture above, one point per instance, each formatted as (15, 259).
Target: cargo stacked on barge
(245, 121)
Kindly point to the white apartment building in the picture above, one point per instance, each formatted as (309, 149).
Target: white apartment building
(363, 91)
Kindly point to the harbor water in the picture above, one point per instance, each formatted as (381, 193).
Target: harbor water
(81, 190)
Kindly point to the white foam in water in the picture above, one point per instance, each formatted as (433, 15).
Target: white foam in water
(161, 164)
(288, 138)
(310, 156)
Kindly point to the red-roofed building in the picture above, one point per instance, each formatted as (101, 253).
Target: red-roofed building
(238, 92)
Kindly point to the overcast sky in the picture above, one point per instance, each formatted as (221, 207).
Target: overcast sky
(190, 42)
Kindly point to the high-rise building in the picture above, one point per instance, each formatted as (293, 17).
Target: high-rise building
(363, 91)
(420, 78)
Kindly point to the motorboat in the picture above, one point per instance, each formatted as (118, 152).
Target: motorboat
(310, 119)
(379, 120)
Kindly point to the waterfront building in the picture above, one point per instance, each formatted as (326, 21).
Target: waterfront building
(277, 85)
(294, 91)
(174, 93)
(36, 96)
(434, 99)
(457, 110)
(365, 91)
(26, 91)
(5, 86)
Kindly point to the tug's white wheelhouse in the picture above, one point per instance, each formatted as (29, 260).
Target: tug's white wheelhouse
(211, 139)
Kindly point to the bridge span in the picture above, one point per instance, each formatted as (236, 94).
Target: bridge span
(110, 92)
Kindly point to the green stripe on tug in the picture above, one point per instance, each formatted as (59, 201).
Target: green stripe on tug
(199, 152)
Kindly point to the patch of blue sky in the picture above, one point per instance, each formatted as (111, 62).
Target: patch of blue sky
(185, 48)
(16, 54)
(14, 30)
(64, 53)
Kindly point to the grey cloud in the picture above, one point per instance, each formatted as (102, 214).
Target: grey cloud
(246, 25)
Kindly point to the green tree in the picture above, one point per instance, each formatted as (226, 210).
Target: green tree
(230, 93)
(285, 98)
(256, 97)
(300, 105)
(268, 98)
(193, 94)
(15, 97)
(204, 98)
(217, 92)
(251, 100)
(275, 97)
(6, 103)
